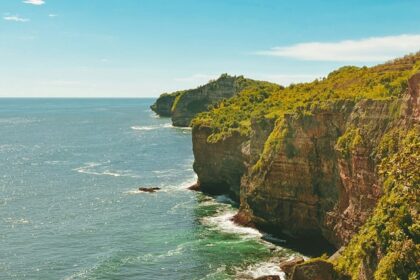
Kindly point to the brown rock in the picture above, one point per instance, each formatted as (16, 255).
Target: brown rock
(314, 270)
(242, 220)
(268, 277)
(195, 187)
(149, 190)
(288, 266)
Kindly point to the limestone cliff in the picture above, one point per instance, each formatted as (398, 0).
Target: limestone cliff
(315, 170)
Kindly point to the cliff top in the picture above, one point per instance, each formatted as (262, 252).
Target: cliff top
(384, 81)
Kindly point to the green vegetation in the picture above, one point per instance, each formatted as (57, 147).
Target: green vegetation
(266, 100)
(391, 236)
(349, 141)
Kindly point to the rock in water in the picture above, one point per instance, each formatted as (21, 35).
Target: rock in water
(149, 190)
(268, 277)
(195, 187)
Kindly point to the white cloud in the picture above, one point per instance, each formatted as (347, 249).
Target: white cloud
(53, 15)
(15, 18)
(34, 2)
(364, 50)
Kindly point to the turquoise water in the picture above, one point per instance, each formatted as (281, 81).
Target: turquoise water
(70, 209)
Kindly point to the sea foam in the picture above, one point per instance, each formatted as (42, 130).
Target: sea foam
(151, 127)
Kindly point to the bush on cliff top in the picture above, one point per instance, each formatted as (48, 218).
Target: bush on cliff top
(269, 101)
(239, 83)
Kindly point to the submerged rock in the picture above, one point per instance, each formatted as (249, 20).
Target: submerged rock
(149, 190)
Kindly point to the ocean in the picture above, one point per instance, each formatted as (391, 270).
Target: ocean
(70, 208)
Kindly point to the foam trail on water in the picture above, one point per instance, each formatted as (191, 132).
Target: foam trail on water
(254, 271)
(223, 222)
(151, 127)
(94, 168)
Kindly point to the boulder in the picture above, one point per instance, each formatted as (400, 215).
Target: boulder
(314, 270)
(289, 265)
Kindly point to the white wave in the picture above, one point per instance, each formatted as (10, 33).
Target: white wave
(7, 148)
(16, 221)
(182, 186)
(224, 199)
(91, 169)
(16, 120)
(262, 269)
(54, 162)
(183, 127)
(189, 204)
(224, 223)
(152, 127)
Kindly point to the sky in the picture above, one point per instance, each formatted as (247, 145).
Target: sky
(142, 48)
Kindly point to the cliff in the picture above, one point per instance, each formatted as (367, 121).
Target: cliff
(163, 105)
(308, 161)
(183, 106)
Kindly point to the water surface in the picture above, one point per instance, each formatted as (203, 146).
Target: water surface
(70, 209)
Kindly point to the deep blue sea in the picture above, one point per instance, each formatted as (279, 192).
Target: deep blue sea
(70, 208)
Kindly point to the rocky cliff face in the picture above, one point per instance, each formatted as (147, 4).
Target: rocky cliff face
(163, 105)
(219, 166)
(297, 184)
(322, 180)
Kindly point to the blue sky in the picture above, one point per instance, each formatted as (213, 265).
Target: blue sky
(141, 48)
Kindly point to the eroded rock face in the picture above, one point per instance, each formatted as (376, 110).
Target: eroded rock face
(219, 166)
(293, 193)
(359, 184)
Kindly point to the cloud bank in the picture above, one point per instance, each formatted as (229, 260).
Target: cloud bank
(374, 49)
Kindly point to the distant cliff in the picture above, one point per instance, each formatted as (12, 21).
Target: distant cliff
(325, 159)
(183, 106)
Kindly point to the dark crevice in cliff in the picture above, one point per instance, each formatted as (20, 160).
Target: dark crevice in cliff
(313, 246)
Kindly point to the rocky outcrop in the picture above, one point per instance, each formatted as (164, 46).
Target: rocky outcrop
(191, 102)
(314, 270)
(219, 166)
(183, 106)
(163, 105)
(289, 265)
